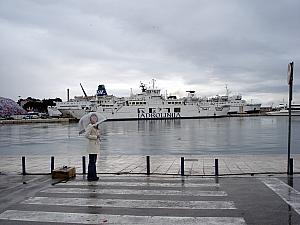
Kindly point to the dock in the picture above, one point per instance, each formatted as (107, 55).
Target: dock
(28, 121)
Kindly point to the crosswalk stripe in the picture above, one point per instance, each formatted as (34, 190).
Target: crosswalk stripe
(160, 179)
(84, 218)
(286, 192)
(134, 192)
(136, 183)
(131, 203)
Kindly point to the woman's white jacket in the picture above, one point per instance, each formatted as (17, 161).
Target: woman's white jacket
(92, 134)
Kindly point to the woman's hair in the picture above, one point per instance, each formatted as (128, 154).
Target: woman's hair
(93, 118)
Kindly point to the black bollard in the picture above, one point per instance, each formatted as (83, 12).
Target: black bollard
(182, 166)
(83, 165)
(23, 166)
(52, 163)
(148, 164)
(216, 167)
(291, 170)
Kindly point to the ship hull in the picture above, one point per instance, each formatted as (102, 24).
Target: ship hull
(283, 112)
(135, 113)
(148, 113)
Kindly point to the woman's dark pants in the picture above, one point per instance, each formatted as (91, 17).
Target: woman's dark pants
(92, 167)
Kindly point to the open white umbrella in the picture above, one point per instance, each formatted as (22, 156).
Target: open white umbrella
(86, 120)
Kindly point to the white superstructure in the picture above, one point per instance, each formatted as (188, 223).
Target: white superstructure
(150, 104)
(74, 107)
(53, 111)
(236, 103)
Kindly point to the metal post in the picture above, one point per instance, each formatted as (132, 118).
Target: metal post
(23, 166)
(182, 166)
(148, 164)
(291, 171)
(216, 167)
(83, 165)
(290, 82)
(52, 163)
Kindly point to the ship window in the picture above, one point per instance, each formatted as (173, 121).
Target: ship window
(133, 103)
(176, 110)
(169, 103)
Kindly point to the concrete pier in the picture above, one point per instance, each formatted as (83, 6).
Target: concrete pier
(24, 121)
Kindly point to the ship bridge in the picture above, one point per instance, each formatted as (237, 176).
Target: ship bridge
(153, 92)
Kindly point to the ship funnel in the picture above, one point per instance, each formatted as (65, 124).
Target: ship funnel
(68, 94)
(101, 90)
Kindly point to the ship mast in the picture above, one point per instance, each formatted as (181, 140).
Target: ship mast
(153, 83)
(227, 90)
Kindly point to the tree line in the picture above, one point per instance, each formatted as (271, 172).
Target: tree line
(37, 105)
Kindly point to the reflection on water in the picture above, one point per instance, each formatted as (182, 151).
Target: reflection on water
(290, 182)
(252, 135)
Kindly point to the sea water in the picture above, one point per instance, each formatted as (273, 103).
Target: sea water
(232, 135)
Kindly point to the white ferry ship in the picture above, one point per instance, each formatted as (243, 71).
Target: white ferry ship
(236, 103)
(150, 104)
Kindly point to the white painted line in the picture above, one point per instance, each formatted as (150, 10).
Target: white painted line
(139, 184)
(286, 192)
(134, 192)
(165, 179)
(84, 218)
(131, 203)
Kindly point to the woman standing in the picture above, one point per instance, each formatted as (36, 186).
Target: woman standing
(93, 135)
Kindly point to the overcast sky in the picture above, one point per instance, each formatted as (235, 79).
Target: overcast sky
(49, 46)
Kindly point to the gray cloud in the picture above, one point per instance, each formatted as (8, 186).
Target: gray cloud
(48, 46)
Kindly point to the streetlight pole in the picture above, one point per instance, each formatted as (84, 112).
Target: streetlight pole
(290, 82)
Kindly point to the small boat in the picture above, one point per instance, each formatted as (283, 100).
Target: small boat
(284, 111)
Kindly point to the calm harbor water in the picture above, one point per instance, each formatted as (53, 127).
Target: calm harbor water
(248, 135)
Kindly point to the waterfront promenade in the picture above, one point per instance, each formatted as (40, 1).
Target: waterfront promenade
(202, 165)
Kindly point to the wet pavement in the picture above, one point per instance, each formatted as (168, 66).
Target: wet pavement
(137, 199)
